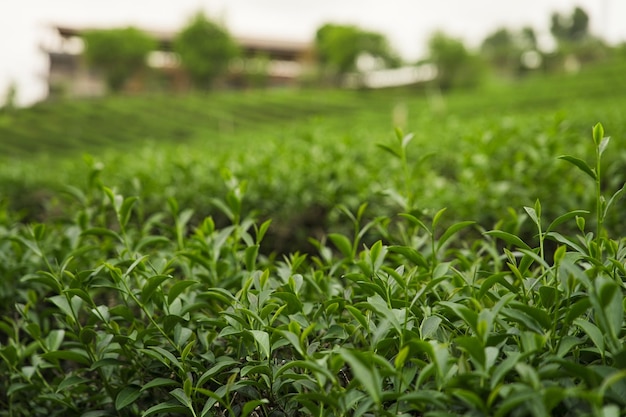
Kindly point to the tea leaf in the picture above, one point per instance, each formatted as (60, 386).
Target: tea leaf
(451, 231)
(153, 283)
(176, 289)
(598, 133)
(580, 164)
(263, 340)
(158, 382)
(389, 149)
(565, 217)
(429, 326)
(508, 238)
(126, 397)
(250, 406)
(343, 244)
(593, 332)
(368, 377)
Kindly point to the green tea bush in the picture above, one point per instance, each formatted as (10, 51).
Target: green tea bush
(121, 311)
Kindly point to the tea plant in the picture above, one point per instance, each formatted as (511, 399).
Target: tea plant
(119, 312)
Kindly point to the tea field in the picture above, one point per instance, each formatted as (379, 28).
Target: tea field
(318, 253)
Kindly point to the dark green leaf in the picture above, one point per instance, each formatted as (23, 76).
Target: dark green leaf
(593, 332)
(126, 397)
(178, 288)
(158, 382)
(100, 231)
(151, 286)
(170, 407)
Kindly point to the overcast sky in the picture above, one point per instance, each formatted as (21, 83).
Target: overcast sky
(24, 24)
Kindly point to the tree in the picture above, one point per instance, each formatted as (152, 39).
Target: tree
(9, 98)
(338, 47)
(501, 50)
(456, 66)
(504, 49)
(205, 49)
(119, 53)
(576, 45)
(573, 28)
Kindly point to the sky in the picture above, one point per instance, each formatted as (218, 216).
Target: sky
(25, 24)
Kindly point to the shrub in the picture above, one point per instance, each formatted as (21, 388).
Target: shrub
(205, 49)
(119, 53)
(119, 315)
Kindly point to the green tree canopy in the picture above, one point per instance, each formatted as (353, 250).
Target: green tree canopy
(456, 66)
(504, 48)
(119, 53)
(339, 46)
(205, 49)
(572, 28)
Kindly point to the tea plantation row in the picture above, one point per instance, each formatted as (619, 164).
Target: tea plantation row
(306, 267)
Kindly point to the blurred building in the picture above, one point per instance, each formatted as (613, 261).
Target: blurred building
(263, 63)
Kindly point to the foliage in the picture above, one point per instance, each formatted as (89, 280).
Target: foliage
(456, 66)
(339, 47)
(116, 313)
(9, 102)
(504, 49)
(573, 28)
(118, 53)
(469, 146)
(205, 49)
(574, 39)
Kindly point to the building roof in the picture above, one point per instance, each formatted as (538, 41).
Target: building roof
(274, 46)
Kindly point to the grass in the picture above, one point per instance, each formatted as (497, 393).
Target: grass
(308, 267)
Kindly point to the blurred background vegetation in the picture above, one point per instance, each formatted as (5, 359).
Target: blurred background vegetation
(489, 125)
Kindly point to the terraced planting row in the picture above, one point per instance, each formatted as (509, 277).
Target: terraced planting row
(91, 124)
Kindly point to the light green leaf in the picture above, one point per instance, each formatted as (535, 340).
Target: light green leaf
(451, 231)
(429, 326)
(565, 217)
(603, 144)
(250, 256)
(54, 339)
(598, 133)
(401, 357)
(343, 244)
(437, 217)
(508, 238)
(582, 165)
(532, 214)
(251, 405)
(263, 340)
(616, 196)
(368, 377)
(389, 149)
(126, 210)
(261, 230)
(182, 398)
